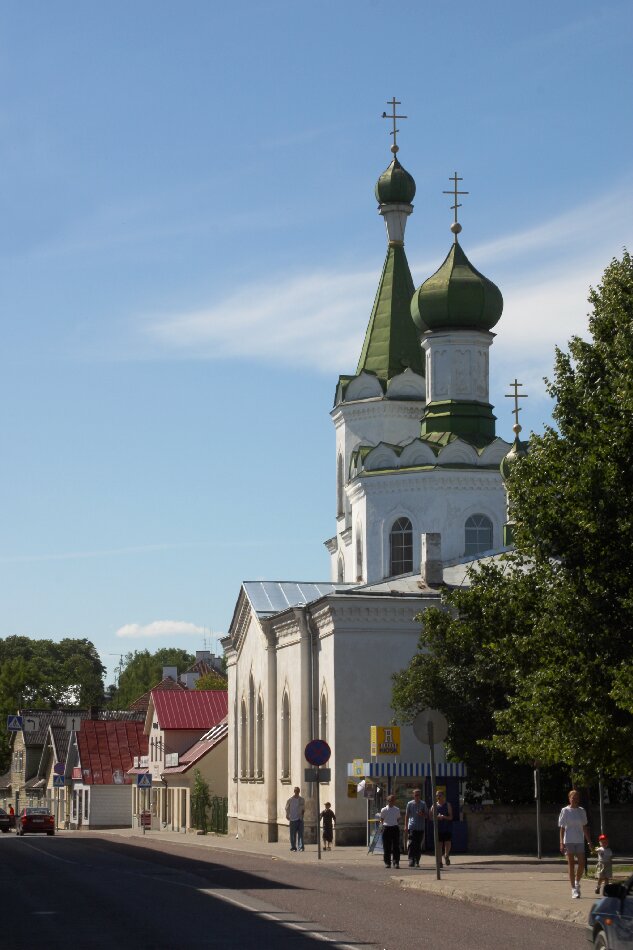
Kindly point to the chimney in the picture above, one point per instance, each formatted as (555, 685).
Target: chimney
(170, 671)
(431, 563)
(203, 655)
(189, 679)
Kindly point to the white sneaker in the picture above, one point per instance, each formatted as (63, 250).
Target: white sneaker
(575, 892)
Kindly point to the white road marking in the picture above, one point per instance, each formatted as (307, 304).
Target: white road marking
(47, 853)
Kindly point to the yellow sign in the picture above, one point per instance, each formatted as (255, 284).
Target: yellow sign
(358, 768)
(384, 740)
(352, 791)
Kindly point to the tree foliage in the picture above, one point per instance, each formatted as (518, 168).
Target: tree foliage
(43, 674)
(144, 670)
(533, 662)
(211, 681)
(200, 802)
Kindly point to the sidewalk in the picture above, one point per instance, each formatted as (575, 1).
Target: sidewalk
(516, 883)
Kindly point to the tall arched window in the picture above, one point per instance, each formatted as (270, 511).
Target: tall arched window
(478, 535)
(243, 740)
(285, 737)
(340, 571)
(259, 768)
(401, 547)
(359, 554)
(323, 717)
(251, 727)
(340, 508)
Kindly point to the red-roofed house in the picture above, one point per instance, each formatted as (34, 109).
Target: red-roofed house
(182, 730)
(98, 764)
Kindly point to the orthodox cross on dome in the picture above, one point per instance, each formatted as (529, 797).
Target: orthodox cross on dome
(455, 226)
(393, 102)
(516, 395)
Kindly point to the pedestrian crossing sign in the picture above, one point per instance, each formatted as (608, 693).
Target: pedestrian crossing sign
(14, 723)
(144, 780)
(58, 781)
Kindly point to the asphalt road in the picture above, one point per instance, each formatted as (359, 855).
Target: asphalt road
(87, 892)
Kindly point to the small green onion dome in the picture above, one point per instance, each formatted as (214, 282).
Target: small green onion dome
(457, 296)
(518, 451)
(395, 185)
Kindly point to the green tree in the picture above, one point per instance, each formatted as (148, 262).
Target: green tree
(144, 670)
(200, 802)
(211, 681)
(546, 638)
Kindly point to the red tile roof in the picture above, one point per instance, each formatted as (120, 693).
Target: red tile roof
(107, 750)
(192, 709)
(168, 683)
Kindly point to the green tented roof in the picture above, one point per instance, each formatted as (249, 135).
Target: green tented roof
(392, 342)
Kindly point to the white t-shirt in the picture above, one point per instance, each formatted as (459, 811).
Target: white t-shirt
(389, 815)
(573, 821)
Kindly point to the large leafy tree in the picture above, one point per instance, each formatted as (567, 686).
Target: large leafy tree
(546, 638)
(45, 674)
(143, 670)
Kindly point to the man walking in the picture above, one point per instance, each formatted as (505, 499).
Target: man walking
(389, 817)
(295, 808)
(414, 824)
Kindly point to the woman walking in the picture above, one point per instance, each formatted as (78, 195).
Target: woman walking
(574, 831)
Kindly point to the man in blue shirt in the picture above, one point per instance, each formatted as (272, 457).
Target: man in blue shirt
(414, 824)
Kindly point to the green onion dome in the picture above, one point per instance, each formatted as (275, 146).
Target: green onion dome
(457, 296)
(395, 185)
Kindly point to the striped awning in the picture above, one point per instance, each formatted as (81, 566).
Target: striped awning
(408, 770)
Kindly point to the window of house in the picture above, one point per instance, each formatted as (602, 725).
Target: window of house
(323, 717)
(251, 727)
(340, 573)
(478, 535)
(243, 741)
(259, 766)
(359, 556)
(285, 737)
(401, 547)
(339, 487)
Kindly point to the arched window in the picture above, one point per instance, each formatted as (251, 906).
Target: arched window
(478, 535)
(340, 508)
(285, 737)
(359, 555)
(243, 740)
(323, 717)
(251, 727)
(259, 771)
(340, 572)
(401, 547)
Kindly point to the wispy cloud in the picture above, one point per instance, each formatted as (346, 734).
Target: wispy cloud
(317, 319)
(159, 628)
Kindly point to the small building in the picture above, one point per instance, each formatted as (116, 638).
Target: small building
(209, 756)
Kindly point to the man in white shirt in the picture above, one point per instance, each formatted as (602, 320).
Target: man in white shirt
(295, 809)
(389, 817)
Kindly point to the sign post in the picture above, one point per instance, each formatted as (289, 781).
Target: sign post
(144, 782)
(430, 726)
(317, 753)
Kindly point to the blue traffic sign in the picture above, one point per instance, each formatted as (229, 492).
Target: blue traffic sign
(144, 780)
(317, 752)
(58, 781)
(14, 723)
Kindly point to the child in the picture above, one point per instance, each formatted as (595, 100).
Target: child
(329, 819)
(604, 867)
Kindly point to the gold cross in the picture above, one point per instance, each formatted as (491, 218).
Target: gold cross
(393, 102)
(456, 226)
(516, 395)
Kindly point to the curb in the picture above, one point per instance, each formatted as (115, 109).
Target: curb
(510, 904)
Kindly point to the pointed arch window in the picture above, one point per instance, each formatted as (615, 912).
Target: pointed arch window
(340, 502)
(251, 727)
(243, 740)
(359, 555)
(323, 724)
(401, 547)
(259, 743)
(340, 571)
(478, 535)
(285, 737)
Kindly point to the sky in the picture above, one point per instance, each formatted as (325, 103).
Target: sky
(189, 251)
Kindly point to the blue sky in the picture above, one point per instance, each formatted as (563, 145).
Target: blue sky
(189, 248)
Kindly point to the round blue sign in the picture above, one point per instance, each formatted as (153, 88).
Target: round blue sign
(317, 752)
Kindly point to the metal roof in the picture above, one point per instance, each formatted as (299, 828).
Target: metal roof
(190, 709)
(272, 597)
(209, 741)
(106, 748)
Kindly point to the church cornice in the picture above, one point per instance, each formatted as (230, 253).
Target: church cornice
(374, 409)
(385, 483)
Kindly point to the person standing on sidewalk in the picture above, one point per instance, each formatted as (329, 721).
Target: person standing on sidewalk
(574, 831)
(414, 824)
(295, 810)
(389, 818)
(444, 811)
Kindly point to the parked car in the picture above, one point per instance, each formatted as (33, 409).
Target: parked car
(36, 821)
(5, 821)
(611, 918)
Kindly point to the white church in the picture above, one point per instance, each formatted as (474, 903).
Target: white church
(419, 494)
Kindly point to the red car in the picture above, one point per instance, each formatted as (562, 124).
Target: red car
(36, 821)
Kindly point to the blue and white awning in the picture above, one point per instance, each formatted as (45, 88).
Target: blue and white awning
(407, 770)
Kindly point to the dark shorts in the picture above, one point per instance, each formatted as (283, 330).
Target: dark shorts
(445, 835)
